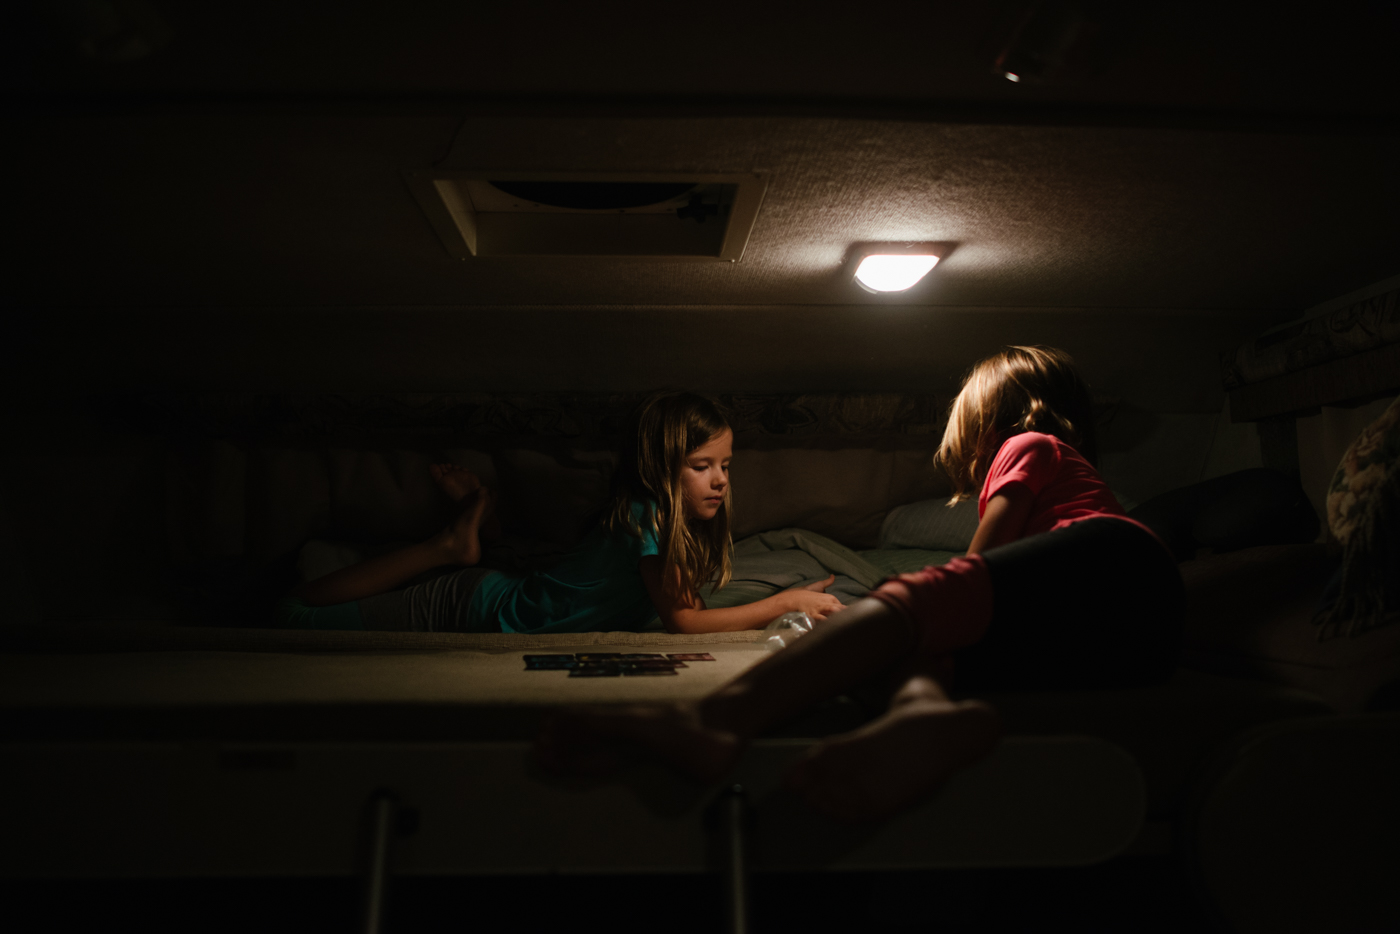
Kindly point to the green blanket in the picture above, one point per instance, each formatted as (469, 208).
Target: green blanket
(772, 561)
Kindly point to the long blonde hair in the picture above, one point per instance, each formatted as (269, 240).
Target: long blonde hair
(1019, 389)
(666, 429)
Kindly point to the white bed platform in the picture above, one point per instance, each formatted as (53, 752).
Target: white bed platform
(139, 752)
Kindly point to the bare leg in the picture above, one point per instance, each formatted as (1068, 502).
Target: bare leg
(704, 739)
(459, 483)
(457, 544)
(899, 758)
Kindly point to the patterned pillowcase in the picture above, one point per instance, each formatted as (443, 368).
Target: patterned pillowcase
(1363, 471)
(931, 524)
(1363, 511)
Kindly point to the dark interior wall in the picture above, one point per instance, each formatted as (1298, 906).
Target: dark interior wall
(1186, 53)
(1158, 360)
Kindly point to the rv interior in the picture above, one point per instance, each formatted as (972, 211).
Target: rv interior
(267, 262)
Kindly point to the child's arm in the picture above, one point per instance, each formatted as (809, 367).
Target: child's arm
(688, 613)
(1004, 519)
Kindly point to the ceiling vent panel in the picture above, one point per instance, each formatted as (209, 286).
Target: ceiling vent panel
(670, 216)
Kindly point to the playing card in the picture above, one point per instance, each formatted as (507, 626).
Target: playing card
(595, 671)
(550, 663)
(647, 671)
(598, 656)
(692, 657)
(643, 655)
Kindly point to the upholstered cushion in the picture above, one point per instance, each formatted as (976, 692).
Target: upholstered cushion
(553, 498)
(1250, 613)
(930, 524)
(839, 489)
(1363, 471)
(283, 496)
(1238, 510)
(1363, 510)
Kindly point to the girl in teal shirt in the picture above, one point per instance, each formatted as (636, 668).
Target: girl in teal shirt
(666, 533)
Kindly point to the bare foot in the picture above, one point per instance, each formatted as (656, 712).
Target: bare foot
(895, 761)
(459, 483)
(461, 540)
(596, 740)
(455, 480)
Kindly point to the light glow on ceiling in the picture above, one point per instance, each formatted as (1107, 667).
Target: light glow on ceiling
(886, 272)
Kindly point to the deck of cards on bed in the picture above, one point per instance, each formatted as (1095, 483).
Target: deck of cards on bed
(614, 664)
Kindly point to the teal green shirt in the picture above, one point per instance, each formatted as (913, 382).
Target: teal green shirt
(597, 587)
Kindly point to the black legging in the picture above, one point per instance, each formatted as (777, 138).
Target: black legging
(1096, 604)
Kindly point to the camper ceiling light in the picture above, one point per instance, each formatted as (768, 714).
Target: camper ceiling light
(893, 272)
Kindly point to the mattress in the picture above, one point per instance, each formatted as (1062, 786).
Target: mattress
(177, 720)
(161, 751)
(135, 682)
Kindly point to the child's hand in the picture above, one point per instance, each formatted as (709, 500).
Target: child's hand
(813, 599)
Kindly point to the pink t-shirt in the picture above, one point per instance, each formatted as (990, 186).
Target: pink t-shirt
(1066, 487)
(953, 603)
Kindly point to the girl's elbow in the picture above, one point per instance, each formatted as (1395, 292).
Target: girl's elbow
(684, 624)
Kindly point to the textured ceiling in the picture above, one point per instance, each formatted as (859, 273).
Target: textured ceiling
(311, 209)
(229, 210)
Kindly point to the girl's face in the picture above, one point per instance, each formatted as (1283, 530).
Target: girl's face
(705, 476)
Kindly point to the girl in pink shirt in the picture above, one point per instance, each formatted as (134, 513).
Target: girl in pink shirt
(1059, 589)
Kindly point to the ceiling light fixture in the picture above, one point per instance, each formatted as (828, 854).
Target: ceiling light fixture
(893, 272)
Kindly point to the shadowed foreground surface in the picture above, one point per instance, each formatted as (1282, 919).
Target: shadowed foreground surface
(1145, 894)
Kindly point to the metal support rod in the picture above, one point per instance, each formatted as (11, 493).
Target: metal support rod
(734, 815)
(382, 810)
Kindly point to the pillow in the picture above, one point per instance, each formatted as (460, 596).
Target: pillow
(839, 492)
(1239, 510)
(1363, 512)
(553, 501)
(932, 525)
(906, 560)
